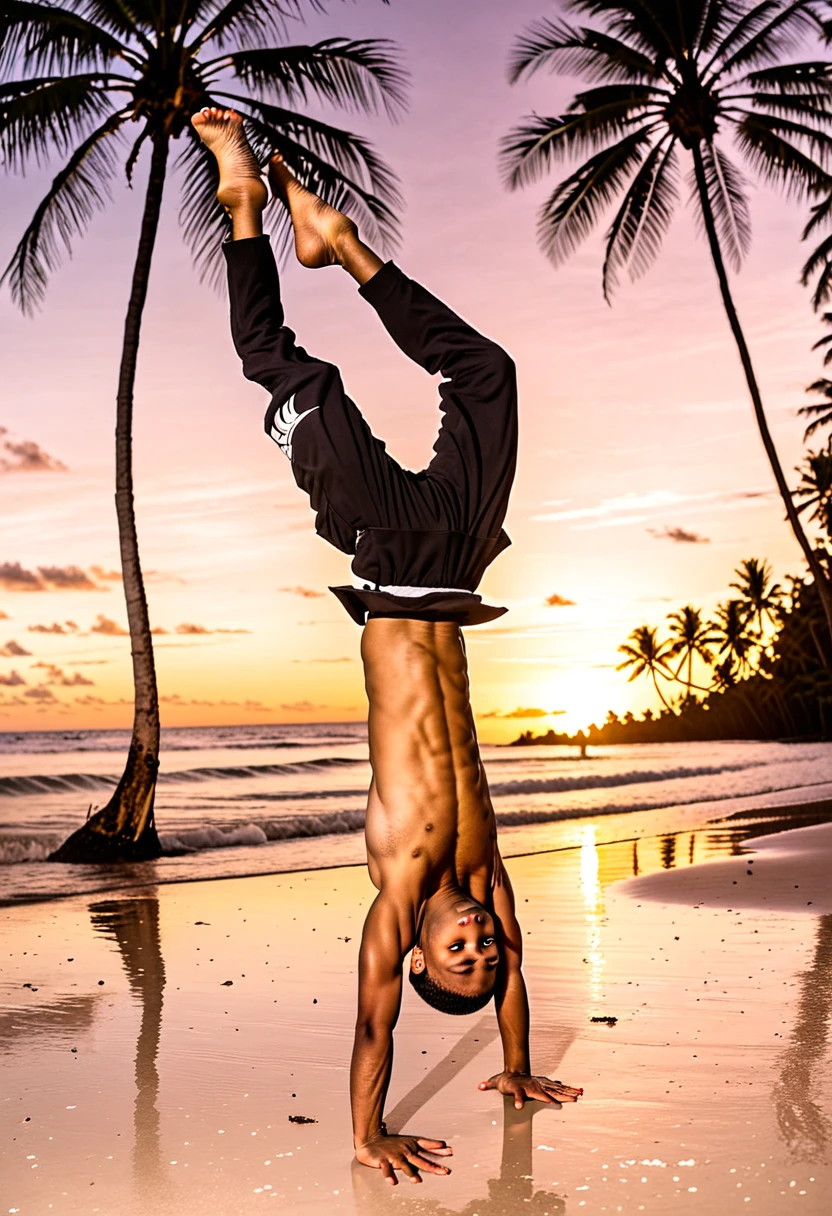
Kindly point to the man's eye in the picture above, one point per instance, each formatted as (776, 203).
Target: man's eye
(488, 941)
(456, 946)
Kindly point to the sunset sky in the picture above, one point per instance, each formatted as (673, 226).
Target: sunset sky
(635, 423)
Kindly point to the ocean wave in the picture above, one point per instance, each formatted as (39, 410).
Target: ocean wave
(28, 846)
(293, 827)
(598, 781)
(61, 783)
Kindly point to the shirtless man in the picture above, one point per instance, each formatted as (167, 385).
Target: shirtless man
(421, 543)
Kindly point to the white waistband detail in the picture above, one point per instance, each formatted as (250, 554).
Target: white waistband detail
(409, 592)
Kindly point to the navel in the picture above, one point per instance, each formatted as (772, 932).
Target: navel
(416, 853)
(428, 827)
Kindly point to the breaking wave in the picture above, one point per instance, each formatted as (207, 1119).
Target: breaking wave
(599, 781)
(62, 783)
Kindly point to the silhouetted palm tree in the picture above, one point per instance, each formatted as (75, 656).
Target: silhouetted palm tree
(735, 642)
(647, 656)
(815, 487)
(691, 638)
(76, 80)
(668, 76)
(760, 596)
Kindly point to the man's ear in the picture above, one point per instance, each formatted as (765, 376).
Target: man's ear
(417, 960)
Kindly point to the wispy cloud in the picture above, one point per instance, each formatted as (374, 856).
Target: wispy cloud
(67, 578)
(680, 536)
(558, 601)
(343, 659)
(175, 698)
(633, 508)
(44, 696)
(4, 616)
(528, 712)
(12, 680)
(108, 628)
(106, 576)
(13, 650)
(302, 707)
(305, 592)
(27, 457)
(202, 630)
(59, 627)
(14, 577)
(55, 675)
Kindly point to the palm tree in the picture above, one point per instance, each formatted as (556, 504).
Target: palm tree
(815, 487)
(647, 656)
(691, 638)
(760, 596)
(735, 642)
(671, 77)
(819, 411)
(94, 81)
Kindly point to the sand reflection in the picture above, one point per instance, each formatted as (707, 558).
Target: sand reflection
(134, 926)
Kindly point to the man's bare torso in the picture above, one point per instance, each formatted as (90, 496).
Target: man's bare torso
(429, 814)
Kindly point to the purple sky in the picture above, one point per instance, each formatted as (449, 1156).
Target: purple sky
(634, 420)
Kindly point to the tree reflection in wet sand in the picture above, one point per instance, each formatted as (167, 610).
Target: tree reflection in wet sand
(134, 925)
(803, 1125)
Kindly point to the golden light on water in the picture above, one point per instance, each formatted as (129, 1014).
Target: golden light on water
(593, 909)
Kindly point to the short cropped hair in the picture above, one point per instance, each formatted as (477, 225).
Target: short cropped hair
(445, 999)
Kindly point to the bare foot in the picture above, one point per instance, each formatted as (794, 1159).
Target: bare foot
(320, 230)
(240, 180)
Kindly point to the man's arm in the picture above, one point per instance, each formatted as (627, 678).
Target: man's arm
(379, 999)
(512, 1004)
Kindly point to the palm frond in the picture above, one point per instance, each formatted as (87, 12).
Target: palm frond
(636, 233)
(763, 143)
(129, 18)
(249, 23)
(727, 197)
(811, 78)
(530, 150)
(819, 263)
(819, 411)
(766, 32)
(77, 192)
(645, 25)
(718, 18)
(813, 112)
(575, 206)
(48, 38)
(558, 46)
(358, 74)
(48, 113)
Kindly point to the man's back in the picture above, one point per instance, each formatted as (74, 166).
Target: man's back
(429, 815)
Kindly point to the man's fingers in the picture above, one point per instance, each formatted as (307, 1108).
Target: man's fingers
(388, 1173)
(435, 1146)
(408, 1170)
(431, 1167)
(519, 1100)
(491, 1084)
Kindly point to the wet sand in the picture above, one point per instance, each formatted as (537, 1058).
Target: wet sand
(137, 1079)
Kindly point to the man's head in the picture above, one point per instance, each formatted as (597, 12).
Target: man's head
(454, 964)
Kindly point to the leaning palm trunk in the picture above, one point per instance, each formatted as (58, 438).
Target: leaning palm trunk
(124, 829)
(818, 573)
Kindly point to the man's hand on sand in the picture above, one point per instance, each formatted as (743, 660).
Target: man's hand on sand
(405, 1153)
(525, 1088)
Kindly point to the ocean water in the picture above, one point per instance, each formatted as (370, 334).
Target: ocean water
(260, 799)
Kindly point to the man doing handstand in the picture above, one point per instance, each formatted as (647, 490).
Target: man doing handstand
(421, 542)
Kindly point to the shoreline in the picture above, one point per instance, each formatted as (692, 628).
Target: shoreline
(805, 808)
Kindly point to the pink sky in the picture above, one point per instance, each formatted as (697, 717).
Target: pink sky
(633, 419)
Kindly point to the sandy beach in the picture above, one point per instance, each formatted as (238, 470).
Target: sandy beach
(158, 1046)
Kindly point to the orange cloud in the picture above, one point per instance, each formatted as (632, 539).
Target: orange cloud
(110, 629)
(54, 675)
(12, 680)
(558, 601)
(304, 592)
(55, 627)
(532, 712)
(681, 536)
(67, 578)
(13, 650)
(106, 576)
(202, 630)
